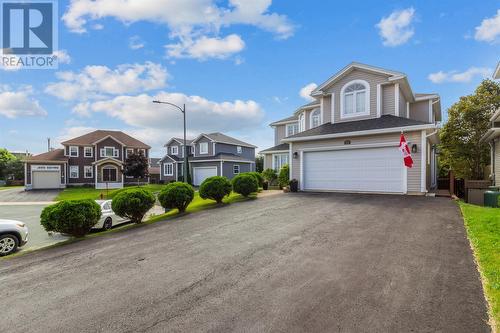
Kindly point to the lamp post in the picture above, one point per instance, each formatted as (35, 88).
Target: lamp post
(183, 110)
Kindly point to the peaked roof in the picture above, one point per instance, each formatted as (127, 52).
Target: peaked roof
(93, 137)
(496, 74)
(280, 147)
(56, 155)
(384, 122)
(222, 138)
(285, 120)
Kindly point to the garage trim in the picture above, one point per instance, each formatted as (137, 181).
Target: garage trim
(352, 147)
(204, 167)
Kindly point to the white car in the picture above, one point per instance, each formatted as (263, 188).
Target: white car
(108, 217)
(13, 234)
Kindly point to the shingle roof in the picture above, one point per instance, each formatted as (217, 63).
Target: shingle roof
(280, 147)
(292, 118)
(55, 155)
(222, 138)
(92, 137)
(386, 121)
(220, 156)
(189, 141)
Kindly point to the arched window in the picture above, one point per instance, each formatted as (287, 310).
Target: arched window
(315, 118)
(355, 99)
(302, 122)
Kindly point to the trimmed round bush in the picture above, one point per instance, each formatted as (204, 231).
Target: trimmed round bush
(245, 184)
(215, 188)
(284, 176)
(258, 177)
(176, 195)
(133, 203)
(72, 217)
(269, 175)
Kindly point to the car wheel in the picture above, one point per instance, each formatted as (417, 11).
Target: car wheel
(8, 244)
(108, 224)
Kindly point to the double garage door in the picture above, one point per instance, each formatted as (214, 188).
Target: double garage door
(202, 173)
(46, 180)
(356, 170)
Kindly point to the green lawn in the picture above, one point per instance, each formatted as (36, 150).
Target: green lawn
(483, 229)
(200, 204)
(75, 193)
(8, 187)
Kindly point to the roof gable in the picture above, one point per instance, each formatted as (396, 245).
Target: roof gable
(98, 135)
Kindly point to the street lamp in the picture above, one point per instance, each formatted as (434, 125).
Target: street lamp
(183, 110)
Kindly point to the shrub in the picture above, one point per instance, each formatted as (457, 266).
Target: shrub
(133, 203)
(176, 195)
(215, 188)
(245, 184)
(284, 176)
(72, 217)
(269, 175)
(258, 177)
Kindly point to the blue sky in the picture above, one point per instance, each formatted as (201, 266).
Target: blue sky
(238, 65)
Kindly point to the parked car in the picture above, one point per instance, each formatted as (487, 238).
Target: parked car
(13, 234)
(108, 217)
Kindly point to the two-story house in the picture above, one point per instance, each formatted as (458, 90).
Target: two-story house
(347, 139)
(213, 154)
(95, 159)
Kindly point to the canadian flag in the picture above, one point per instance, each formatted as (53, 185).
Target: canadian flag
(403, 146)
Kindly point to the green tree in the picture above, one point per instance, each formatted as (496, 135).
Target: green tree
(259, 163)
(468, 121)
(284, 176)
(5, 158)
(136, 165)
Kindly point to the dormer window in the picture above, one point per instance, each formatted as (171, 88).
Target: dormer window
(203, 147)
(292, 129)
(175, 150)
(355, 99)
(239, 150)
(302, 122)
(315, 118)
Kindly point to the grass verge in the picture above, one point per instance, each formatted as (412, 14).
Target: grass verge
(483, 229)
(77, 193)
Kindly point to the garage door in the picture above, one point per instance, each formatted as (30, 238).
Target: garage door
(46, 179)
(202, 173)
(357, 170)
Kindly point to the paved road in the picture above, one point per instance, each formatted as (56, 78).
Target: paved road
(18, 194)
(285, 263)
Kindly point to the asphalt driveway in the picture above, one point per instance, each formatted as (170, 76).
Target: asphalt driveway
(285, 263)
(18, 194)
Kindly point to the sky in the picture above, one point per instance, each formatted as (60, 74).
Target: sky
(237, 65)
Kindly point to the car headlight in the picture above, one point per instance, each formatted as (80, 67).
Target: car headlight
(21, 224)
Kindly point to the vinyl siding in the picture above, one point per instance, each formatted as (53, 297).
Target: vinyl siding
(402, 105)
(279, 133)
(496, 155)
(388, 100)
(420, 111)
(414, 174)
(356, 74)
(327, 109)
(227, 168)
(246, 152)
(210, 147)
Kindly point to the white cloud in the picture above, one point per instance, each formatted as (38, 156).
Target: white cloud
(135, 43)
(206, 47)
(98, 81)
(397, 29)
(489, 29)
(460, 77)
(82, 110)
(305, 92)
(194, 24)
(20, 103)
(72, 132)
(62, 56)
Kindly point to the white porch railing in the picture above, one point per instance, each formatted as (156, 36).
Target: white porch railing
(104, 186)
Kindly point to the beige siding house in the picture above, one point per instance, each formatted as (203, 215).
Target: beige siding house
(347, 139)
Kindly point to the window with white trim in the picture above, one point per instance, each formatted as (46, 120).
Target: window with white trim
(355, 99)
(129, 152)
(292, 129)
(236, 169)
(168, 169)
(73, 151)
(203, 147)
(315, 118)
(88, 151)
(110, 152)
(88, 171)
(302, 122)
(73, 171)
(239, 150)
(174, 150)
(279, 160)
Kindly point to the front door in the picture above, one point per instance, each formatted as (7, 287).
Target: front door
(109, 174)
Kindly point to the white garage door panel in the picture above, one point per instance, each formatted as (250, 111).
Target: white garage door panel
(364, 170)
(46, 179)
(202, 173)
